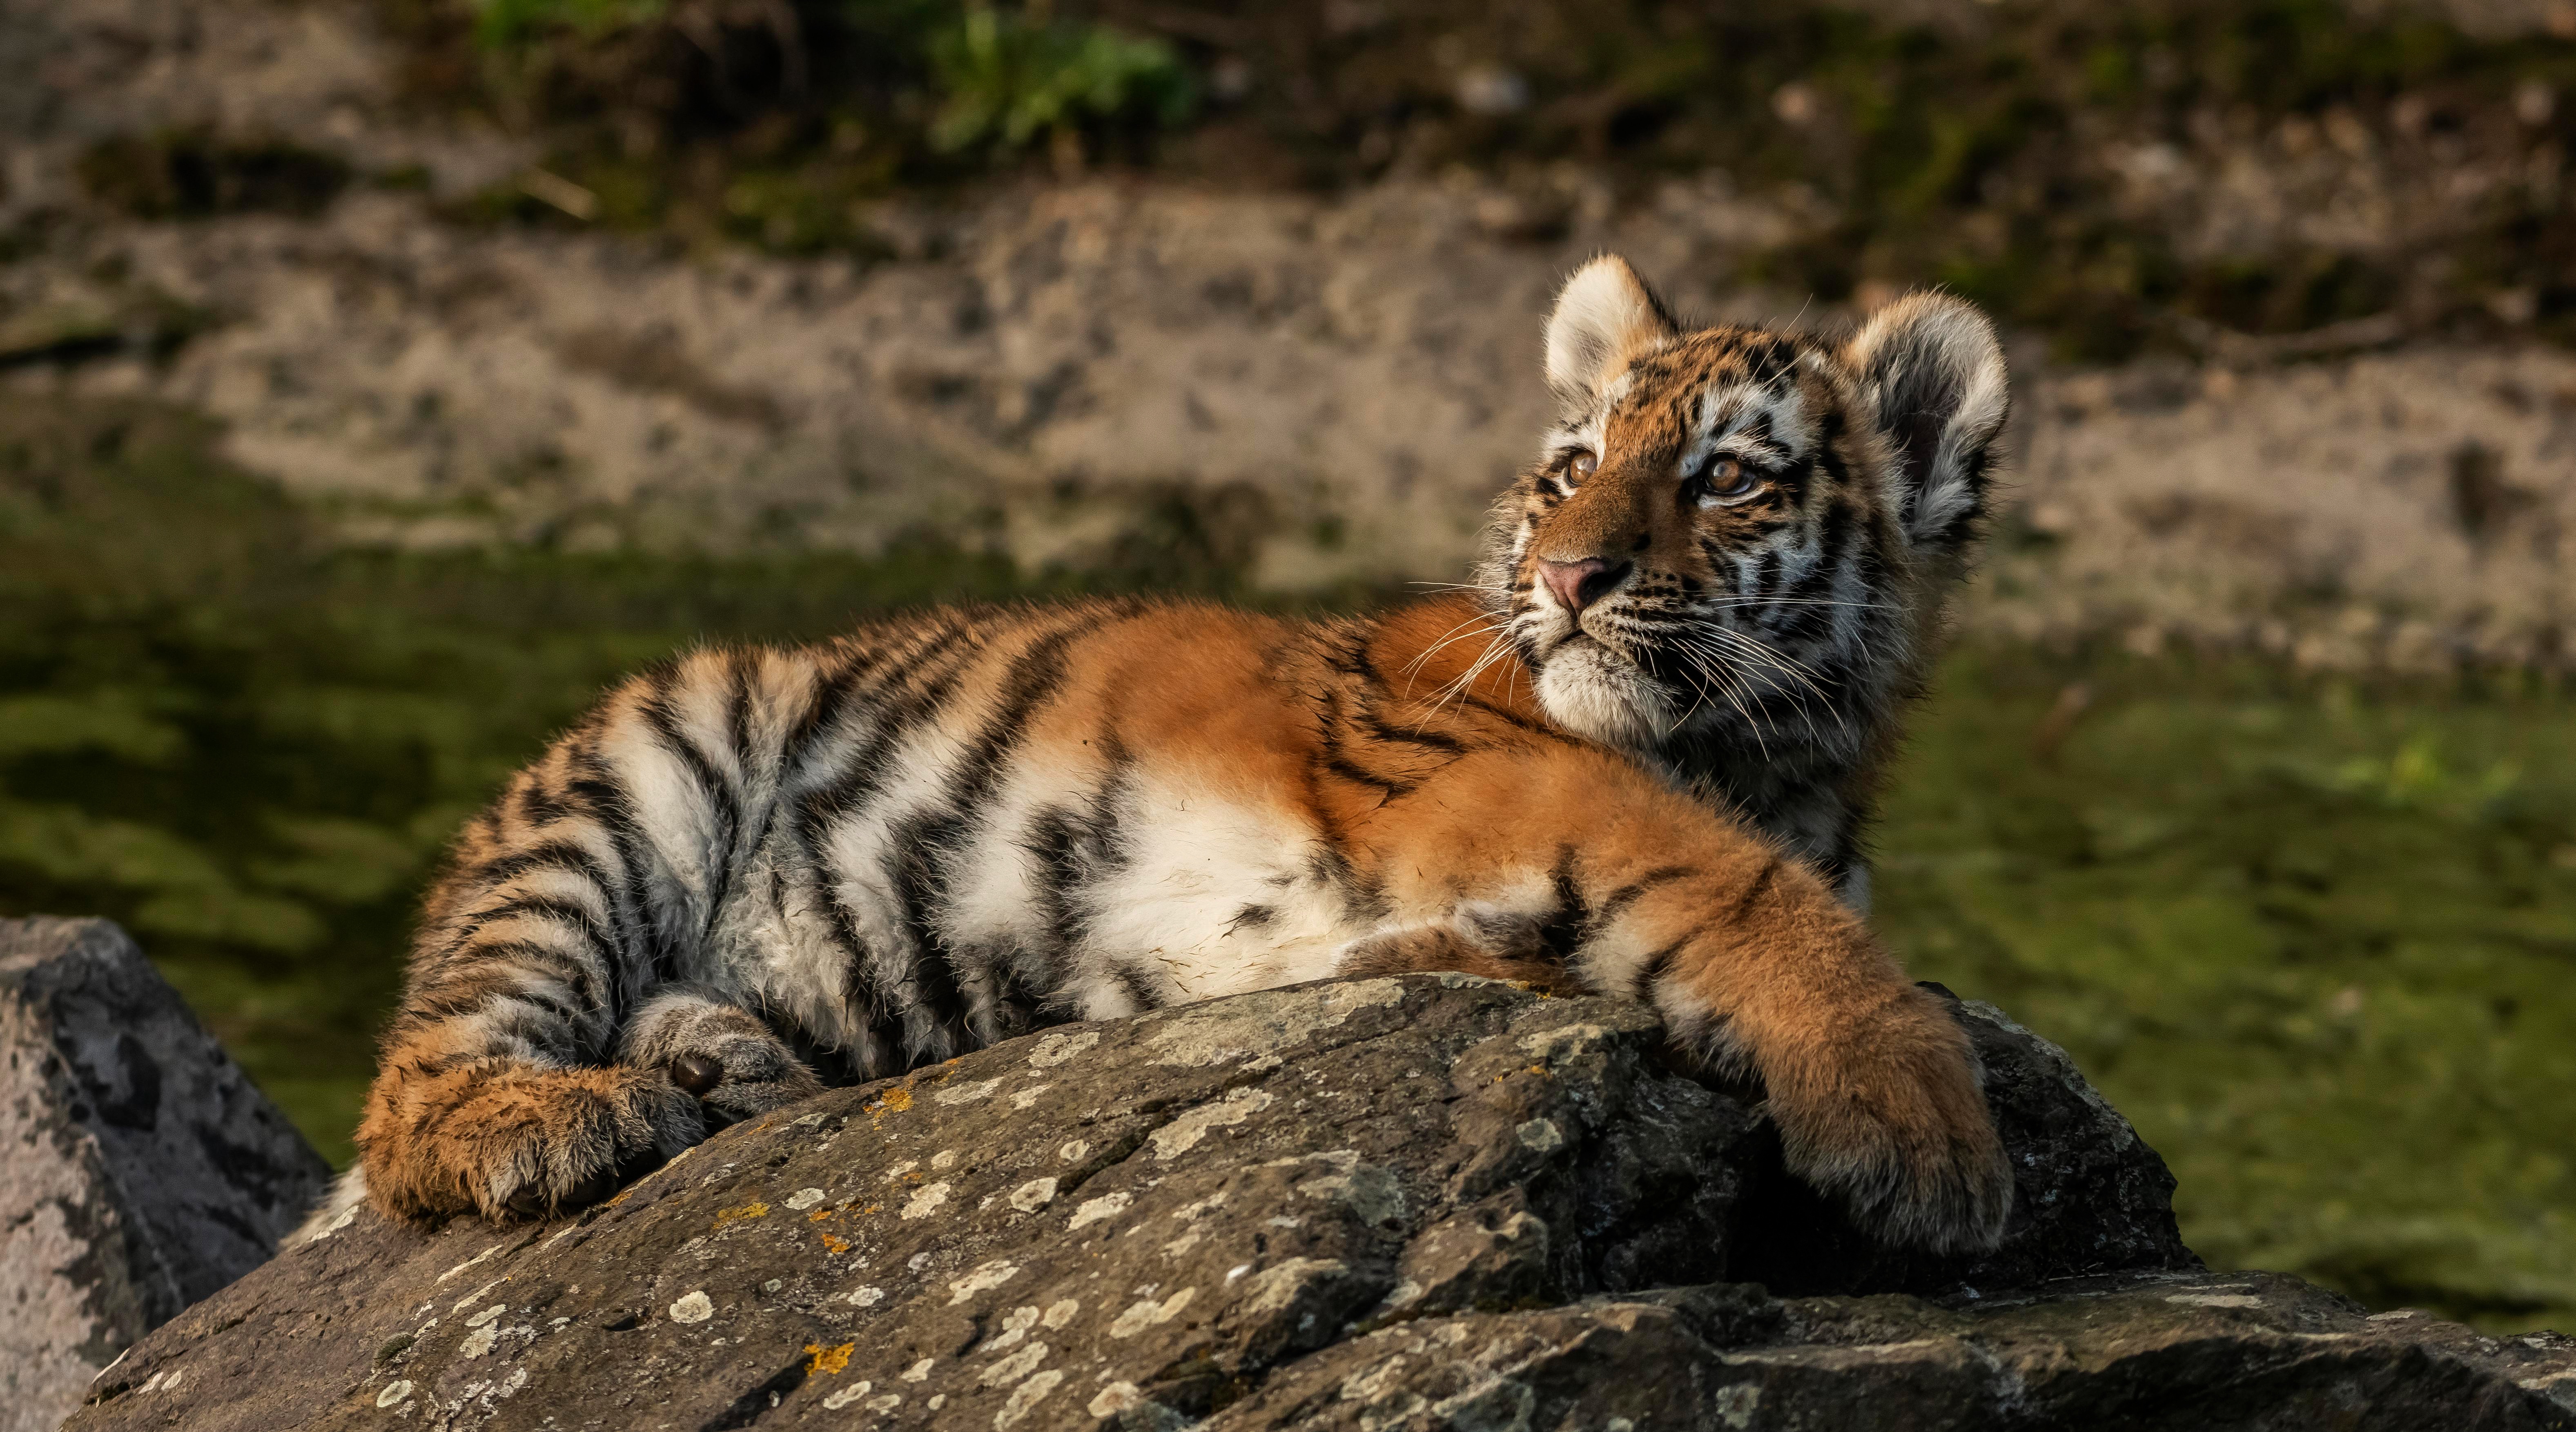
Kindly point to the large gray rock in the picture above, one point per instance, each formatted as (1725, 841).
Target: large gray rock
(1433, 1202)
(142, 1171)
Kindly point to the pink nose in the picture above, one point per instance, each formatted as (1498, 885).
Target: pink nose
(1579, 584)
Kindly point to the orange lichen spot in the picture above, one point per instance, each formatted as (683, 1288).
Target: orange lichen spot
(896, 1101)
(736, 1215)
(834, 1244)
(827, 1359)
(818, 1215)
(622, 1195)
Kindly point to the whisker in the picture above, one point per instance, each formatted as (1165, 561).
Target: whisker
(1729, 602)
(1447, 639)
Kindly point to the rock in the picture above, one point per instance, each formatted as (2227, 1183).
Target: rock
(143, 1173)
(2160, 1350)
(1429, 1202)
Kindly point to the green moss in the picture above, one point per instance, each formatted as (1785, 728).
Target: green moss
(2312, 937)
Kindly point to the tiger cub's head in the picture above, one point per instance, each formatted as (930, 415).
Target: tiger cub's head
(1737, 535)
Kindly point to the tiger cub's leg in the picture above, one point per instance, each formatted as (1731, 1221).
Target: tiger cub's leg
(471, 1113)
(719, 1052)
(1632, 889)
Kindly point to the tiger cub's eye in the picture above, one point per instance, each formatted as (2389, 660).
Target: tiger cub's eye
(1582, 463)
(1724, 480)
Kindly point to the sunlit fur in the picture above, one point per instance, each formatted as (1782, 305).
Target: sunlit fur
(1760, 647)
(751, 873)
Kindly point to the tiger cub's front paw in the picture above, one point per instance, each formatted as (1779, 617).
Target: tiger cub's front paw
(1890, 1119)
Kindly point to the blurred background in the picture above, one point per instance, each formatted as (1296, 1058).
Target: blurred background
(380, 377)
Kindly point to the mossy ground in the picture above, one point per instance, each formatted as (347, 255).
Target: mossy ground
(2313, 935)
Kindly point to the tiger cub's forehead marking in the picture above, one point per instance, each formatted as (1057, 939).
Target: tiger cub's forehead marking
(1744, 392)
(1760, 423)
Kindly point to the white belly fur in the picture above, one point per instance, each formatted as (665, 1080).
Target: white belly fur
(1197, 859)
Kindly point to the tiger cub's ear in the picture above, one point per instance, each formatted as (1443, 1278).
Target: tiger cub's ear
(1932, 376)
(1605, 315)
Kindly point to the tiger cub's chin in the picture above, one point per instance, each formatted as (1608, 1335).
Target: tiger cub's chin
(1593, 691)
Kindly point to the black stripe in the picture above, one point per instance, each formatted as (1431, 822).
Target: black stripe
(537, 805)
(604, 800)
(1363, 896)
(1657, 965)
(1349, 655)
(1073, 848)
(569, 911)
(1139, 985)
(1033, 679)
(721, 796)
(1054, 840)
(1807, 618)
(1617, 901)
(896, 719)
(546, 855)
(738, 668)
(930, 984)
(1561, 936)
(1387, 787)
(1378, 729)
(1754, 891)
(830, 696)
(474, 954)
(876, 1005)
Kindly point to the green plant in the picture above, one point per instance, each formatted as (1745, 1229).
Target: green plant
(1006, 78)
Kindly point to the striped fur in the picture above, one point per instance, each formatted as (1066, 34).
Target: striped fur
(754, 872)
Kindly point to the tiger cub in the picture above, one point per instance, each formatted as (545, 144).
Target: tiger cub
(1629, 759)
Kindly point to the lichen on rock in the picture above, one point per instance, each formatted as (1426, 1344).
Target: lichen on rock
(1433, 1202)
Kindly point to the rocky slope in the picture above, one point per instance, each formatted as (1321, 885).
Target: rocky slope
(1434, 1202)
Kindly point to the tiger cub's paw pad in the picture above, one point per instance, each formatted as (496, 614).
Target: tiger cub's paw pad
(696, 1074)
(718, 1053)
(742, 1076)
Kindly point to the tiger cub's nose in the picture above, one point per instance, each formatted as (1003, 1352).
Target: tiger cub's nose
(1580, 584)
